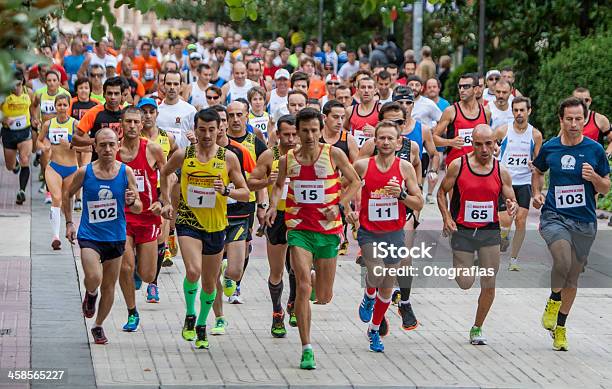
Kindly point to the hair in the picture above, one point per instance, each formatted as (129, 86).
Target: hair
(299, 76)
(359, 73)
(131, 109)
(409, 61)
(581, 89)
(308, 114)
(54, 72)
(219, 108)
(245, 102)
(18, 75)
(62, 96)
(207, 115)
(215, 89)
(256, 90)
(387, 123)
(173, 72)
(286, 119)
(472, 76)
(115, 81)
(572, 102)
(146, 43)
(384, 75)
(202, 66)
(391, 66)
(391, 106)
(331, 104)
(414, 77)
(445, 61)
(343, 87)
(80, 81)
(426, 51)
(437, 82)
(507, 69)
(313, 101)
(522, 99)
(297, 92)
(366, 79)
(502, 82)
(256, 61)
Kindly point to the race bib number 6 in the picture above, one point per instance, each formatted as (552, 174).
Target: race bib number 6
(18, 123)
(198, 197)
(309, 192)
(466, 134)
(102, 211)
(479, 211)
(382, 210)
(569, 196)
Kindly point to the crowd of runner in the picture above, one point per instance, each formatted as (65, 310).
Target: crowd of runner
(167, 144)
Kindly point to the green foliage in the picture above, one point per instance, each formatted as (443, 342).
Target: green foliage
(469, 65)
(605, 202)
(198, 11)
(587, 63)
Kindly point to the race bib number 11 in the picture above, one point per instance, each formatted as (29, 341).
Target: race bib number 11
(382, 210)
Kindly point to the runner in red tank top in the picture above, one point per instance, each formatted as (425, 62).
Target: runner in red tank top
(312, 215)
(145, 158)
(597, 126)
(389, 185)
(454, 130)
(472, 221)
(361, 119)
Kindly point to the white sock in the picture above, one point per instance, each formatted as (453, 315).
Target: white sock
(56, 219)
(306, 347)
(373, 327)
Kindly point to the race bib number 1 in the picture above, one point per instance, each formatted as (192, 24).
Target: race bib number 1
(102, 211)
(309, 192)
(198, 197)
(479, 211)
(569, 196)
(466, 134)
(382, 210)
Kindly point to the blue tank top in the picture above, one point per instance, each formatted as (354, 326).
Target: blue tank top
(103, 217)
(417, 136)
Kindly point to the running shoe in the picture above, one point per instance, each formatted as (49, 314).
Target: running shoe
(89, 305)
(202, 339)
(560, 342)
(172, 243)
(98, 335)
(229, 287)
(504, 244)
(409, 320)
(219, 328)
(514, 264)
(43, 188)
(343, 249)
(132, 323)
(78, 205)
(235, 298)
(476, 336)
(383, 330)
(366, 308)
(292, 317)
(21, 197)
(48, 198)
(549, 318)
(41, 176)
(36, 160)
(376, 344)
(396, 297)
(167, 262)
(189, 332)
(278, 325)
(152, 294)
(308, 362)
(17, 168)
(137, 281)
(56, 244)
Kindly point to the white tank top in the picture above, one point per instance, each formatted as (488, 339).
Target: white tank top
(198, 96)
(499, 117)
(235, 92)
(276, 102)
(516, 152)
(260, 122)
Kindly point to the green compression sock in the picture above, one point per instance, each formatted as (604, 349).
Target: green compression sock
(191, 290)
(206, 303)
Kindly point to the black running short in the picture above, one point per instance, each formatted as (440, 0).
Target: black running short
(522, 194)
(277, 234)
(106, 250)
(473, 239)
(12, 138)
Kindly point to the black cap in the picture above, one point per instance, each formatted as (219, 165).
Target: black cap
(403, 93)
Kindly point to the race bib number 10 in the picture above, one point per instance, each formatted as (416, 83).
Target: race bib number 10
(569, 196)
(479, 211)
(198, 197)
(309, 192)
(102, 211)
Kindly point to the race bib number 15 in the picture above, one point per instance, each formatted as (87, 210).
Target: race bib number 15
(309, 192)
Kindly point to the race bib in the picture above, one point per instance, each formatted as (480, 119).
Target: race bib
(309, 192)
(382, 210)
(198, 197)
(569, 196)
(360, 138)
(73, 78)
(517, 160)
(479, 211)
(47, 106)
(466, 134)
(140, 183)
(101, 211)
(18, 123)
(175, 131)
(149, 74)
(56, 134)
(136, 74)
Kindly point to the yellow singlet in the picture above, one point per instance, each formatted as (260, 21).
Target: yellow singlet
(17, 110)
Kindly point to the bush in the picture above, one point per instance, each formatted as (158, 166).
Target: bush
(469, 65)
(586, 63)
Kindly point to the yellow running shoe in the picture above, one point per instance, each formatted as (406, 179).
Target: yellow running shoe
(172, 244)
(167, 262)
(343, 249)
(549, 318)
(560, 342)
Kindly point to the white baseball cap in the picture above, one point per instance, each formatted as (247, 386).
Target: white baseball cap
(281, 73)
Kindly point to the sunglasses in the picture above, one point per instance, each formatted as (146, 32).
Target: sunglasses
(405, 102)
(465, 86)
(333, 83)
(399, 122)
(493, 78)
(213, 97)
(97, 75)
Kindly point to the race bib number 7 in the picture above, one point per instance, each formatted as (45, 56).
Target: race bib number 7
(198, 197)
(101, 211)
(466, 134)
(479, 211)
(569, 196)
(309, 192)
(382, 210)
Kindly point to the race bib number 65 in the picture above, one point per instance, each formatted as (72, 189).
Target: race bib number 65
(102, 210)
(479, 211)
(309, 192)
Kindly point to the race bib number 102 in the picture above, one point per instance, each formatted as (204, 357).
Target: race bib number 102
(102, 211)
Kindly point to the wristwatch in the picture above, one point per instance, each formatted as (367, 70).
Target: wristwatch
(226, 191)
(263, 206)
(402, 196)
